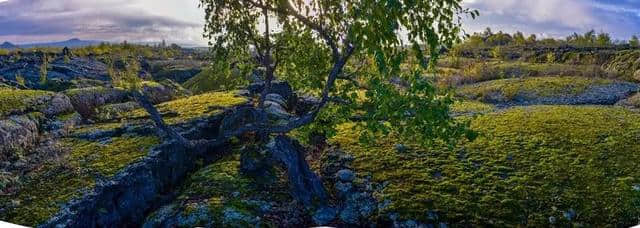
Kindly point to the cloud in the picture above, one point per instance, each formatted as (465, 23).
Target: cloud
(24, 21)
(557, 18)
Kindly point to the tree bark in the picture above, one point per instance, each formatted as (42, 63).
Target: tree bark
(144, 102)
(306, 186)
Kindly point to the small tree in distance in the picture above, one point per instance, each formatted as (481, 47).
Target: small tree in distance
(634, 42)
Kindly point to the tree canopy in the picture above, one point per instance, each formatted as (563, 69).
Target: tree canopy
(348, 53)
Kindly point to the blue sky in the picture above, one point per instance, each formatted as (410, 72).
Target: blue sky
(25, 21)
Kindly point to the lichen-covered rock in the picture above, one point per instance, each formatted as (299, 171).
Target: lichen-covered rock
(549, 90)
(18, 134)
(167, 90)
(278, 87)
(115, 111)
(346, 175)
(16, 102)
(632, 102)
(86, 100)
(324, 215)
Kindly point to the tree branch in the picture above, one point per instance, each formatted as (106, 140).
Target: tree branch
(289, 10)
(144, 102)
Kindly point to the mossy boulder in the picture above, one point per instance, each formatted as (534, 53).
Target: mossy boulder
(531, 166)
(176, 70)
(163, 91)
(631, 102)
(220, 195)
(487, 71)
(42, 192)
(193, 107)
(86, 100)
(16, 102)
(18, 135)
(626, 63)
(549, 90)
(111, 112)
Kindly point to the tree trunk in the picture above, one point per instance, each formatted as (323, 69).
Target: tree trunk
(305, 185)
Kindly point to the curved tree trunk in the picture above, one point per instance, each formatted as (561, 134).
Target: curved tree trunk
(305, 185)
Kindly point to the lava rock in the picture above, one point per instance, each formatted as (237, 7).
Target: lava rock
(346, 175)
(324, 215)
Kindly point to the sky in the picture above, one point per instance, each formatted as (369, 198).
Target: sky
(181, 21)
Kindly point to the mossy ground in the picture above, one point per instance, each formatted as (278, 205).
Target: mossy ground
(538, 87)
(194, 106)
(493, 70)
(471, 108)
(529, 164)
(220, 187)
(56, 182)
(13, 100)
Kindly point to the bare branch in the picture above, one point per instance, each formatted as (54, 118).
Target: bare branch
(289, 10)
(143, 101)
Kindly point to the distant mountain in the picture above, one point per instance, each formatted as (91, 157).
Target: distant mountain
(69, 43)
(7, 45)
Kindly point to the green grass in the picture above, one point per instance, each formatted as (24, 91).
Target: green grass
(536, 87)
(18, 101)
(57, 182)
(528, 165)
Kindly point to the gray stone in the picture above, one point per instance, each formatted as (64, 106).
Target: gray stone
(343, 188)
(231, 216)
(401, 148)
(276, 98)
(350, 214)
(276, 112)
(346, 175)
(570, 214)
(324, 215)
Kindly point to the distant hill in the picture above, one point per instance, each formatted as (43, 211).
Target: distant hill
(69, 43)
(7, 45)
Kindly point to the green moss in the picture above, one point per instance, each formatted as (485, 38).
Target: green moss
(109, 158)
(87, 91)
(97, 127)
(57, 182)
(626, 63)
(18, 101)
(221, 186)
(635, 101)
(194, 106)
(528, 165)
(486, 71)
(471, 108)
(538, 87)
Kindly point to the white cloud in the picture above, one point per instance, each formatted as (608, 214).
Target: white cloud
(555, 17)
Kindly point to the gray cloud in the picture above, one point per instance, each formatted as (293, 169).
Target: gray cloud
(24, 21)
